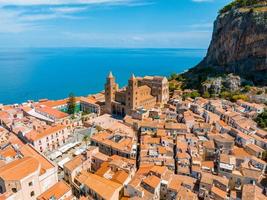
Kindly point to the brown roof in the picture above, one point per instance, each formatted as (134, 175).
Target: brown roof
(152, 181)
(8, 152)
(219, 192)
(103, 187)
(74, 163)
(28, 150)
(208, 164)
(175, 126)
(53, 112)
(41, 133)
(159, 169)
(89, 100)
(120, 176)
(51, 103)
(255, 148)
(186, 194)
(209, 144)
(57, 191)
(251, 173)
(18, 169)
(240, 152)
(250, 192)
(175, 183)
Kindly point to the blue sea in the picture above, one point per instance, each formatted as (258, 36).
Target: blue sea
(35, 73)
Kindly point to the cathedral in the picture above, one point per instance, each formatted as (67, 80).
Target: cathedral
(140, 92)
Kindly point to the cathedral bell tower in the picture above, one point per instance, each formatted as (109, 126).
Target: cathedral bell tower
(132, 94)
(110, 89)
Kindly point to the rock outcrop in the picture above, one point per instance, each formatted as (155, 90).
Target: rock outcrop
(239, 44)
(215, 85)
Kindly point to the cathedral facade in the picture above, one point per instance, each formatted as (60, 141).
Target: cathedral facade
(140, 92)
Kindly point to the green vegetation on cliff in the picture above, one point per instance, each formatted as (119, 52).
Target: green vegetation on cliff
(239, 4)
(262, 119)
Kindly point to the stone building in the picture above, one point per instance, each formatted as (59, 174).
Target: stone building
(140, 92)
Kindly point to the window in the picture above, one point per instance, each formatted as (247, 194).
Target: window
(30, 183)
(32, 193)
(14, 190)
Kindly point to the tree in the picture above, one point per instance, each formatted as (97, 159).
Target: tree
(236, 97)
(225, 95)
(194, 94)
(71, 104)
(247, 88)
(172, 76)
(264, 156)
(262, 119)
(86, 139)
(172, 86)
(206, 94)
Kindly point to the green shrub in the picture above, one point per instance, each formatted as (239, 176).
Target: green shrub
(225, 95)
(239, 4)
(236, 97)
(206, 94)
(262, 119)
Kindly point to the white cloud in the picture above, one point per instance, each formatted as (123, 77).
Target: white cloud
(201, 25)
(60, 2)
(68, 10)
(202, 1)
(160, 39)
(10, 22)
(27, 13)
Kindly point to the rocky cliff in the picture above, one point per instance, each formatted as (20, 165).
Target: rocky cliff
(238, 45)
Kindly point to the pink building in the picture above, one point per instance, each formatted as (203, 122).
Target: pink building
(47, 137)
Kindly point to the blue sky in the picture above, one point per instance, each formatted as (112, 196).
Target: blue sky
(108, 23)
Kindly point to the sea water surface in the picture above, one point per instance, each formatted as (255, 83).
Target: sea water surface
(35, 73)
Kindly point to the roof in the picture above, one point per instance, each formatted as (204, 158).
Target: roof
(208, 178)
(208, 164)
(43, 132)
(240, 152)
(51, 103)
(57, 191)
(152, 181)
(52, 112)
(74, 163)
(8, 152)
(175, 183)
(117, 141)
(103, 169)
(28, 150)
(219, 192)
(185, 194)
(103, 187)
(120, 176)
(19, 169)
(175, 126)
(159, 169)
(252, 192)
(244, 136)
(209, 144)
(88, 100)
(255, 148)
(251, 173)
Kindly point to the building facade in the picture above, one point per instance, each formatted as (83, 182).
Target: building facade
(140, 92)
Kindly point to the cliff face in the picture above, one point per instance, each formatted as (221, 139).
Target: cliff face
(239, 44)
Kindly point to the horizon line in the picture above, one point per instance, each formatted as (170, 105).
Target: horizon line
(92, 47)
